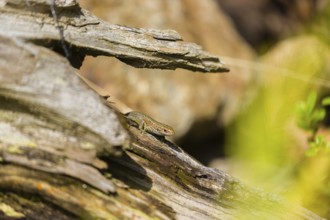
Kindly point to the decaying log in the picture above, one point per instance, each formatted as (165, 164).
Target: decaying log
(66, 155)
(85, 34)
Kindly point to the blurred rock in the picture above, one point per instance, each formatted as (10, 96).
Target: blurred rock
(179, 98)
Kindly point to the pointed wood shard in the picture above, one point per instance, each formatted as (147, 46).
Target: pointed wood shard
(79, 31)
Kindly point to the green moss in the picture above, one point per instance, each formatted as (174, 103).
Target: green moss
(184, 178)
(15, 150)
(10, 211)
(87, 146)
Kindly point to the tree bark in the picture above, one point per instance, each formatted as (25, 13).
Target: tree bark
(66, 155)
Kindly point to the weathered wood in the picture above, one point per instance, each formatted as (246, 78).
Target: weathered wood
(85, 34)
(62, 149)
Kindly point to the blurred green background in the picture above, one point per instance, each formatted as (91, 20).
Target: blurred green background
(281, 141)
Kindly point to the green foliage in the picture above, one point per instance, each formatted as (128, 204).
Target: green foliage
(326, 101)
(316, 145)
(309, 116)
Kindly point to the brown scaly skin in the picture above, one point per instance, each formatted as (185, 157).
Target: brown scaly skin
(149, 124)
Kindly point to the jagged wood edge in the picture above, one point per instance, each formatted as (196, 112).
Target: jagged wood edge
(88, 35)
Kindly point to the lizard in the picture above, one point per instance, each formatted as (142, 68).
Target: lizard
(148, 124)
